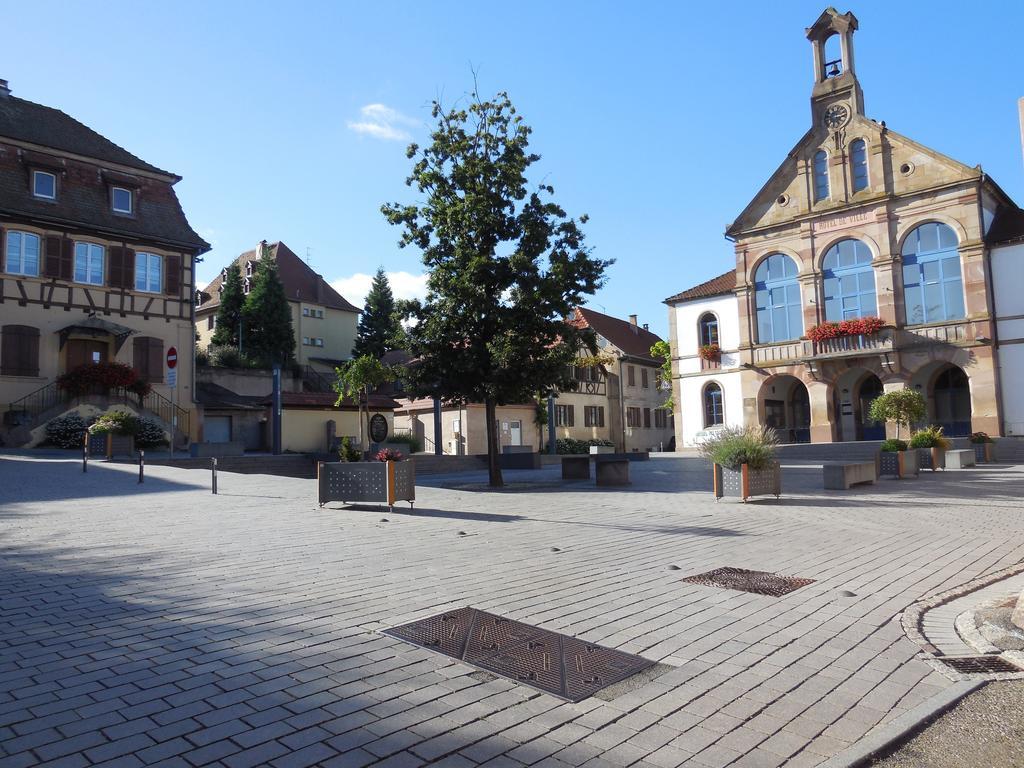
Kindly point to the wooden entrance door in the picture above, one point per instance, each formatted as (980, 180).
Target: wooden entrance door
(82, 351)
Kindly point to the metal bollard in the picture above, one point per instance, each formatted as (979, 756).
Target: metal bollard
(214, 475)
(142, 464)
(85, 453)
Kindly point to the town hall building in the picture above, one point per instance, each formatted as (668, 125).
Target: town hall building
(863, 265)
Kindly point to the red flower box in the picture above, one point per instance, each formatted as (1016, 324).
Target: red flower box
(104, 377)
(709, 352)
(861, 326)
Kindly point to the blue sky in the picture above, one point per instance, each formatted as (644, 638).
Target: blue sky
(660, 121)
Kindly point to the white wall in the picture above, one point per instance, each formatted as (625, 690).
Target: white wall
(1008, 285)
(691, 406)
(687, 315)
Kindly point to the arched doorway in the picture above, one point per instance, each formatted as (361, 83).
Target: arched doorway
(870, 388)
(951, 401)
(786, 408)
(853, 392)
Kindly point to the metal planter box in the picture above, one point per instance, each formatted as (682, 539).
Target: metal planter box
(900, 464)
(745, 482)
(383, 482)
(984, 453)
(931, 458)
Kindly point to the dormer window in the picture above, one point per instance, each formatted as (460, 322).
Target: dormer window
(44, 185)
(248, 269)
(121, 200)
(246, 286)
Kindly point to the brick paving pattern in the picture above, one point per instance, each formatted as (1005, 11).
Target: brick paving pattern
(161, 625)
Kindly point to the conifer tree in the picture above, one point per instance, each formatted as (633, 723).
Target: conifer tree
(269, 337)
(379, 327)
(229, 313)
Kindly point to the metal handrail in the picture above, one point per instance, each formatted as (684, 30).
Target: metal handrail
(39, 400)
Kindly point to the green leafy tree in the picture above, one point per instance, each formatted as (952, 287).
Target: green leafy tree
(357, 378)
(379, 324)
(269, 337)
(661, 350)
(506, 265)
(902, 406)
(229, 313)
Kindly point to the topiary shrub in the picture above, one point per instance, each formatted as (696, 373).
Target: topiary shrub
(893, 445)
(149, 434)
(67, 431)
(346, 452)
(733, 447)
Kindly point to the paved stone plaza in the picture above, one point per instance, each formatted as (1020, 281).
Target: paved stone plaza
(159, 624)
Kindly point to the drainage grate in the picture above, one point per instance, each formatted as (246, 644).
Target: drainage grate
(979, 665)
(758, 582)
(550, 662)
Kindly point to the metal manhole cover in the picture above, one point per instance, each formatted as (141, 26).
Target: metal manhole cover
(758, 582)
(978, 665)
(564, 666)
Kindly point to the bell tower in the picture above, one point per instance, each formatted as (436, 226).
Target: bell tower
(836, 95)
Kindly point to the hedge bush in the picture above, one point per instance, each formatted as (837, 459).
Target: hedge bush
(893, 445)
(149, 434)
(67, 431)
(566, 446)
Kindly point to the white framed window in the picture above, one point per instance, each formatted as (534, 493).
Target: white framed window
(246, 286)
(89, 263)
(121, 200)
(318, 342)
(320, 313)
(305, 340)
(44, 185)
(305, 311)
(248, 269)
(148, 272)
(23, 254)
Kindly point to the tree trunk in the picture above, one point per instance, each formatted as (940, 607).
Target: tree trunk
(493, 467)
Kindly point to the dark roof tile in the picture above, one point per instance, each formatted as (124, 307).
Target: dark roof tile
(716, 286)
(633, 340)
(1008, 226)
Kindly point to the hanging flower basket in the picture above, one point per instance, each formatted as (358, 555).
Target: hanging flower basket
(861, 326)
(710, 352)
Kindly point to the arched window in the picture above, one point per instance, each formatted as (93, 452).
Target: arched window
(849, 281)
(707, 329)
(777, 297)
(933, 290)
(714, 413)
(859, 161)
(820, 175)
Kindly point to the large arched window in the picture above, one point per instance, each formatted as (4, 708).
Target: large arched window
(849, 281)
(714, 413)
(820, 175)
(777, 296)
(707, 329)
(933, 290)
(859, 161)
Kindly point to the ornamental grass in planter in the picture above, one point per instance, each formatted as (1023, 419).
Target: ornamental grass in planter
(931, 446)
(896, 460)
(743, 462)
(984, 447)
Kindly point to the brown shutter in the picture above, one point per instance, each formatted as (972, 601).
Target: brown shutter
(19, 351)
(156, 361)
(54, 247)
(3, 249)
(67, 259)
(129, 268)
(172, 274)
(115, 275)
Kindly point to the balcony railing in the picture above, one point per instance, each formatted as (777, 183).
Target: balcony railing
(851, 346)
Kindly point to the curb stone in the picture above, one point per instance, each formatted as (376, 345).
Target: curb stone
(902, 727)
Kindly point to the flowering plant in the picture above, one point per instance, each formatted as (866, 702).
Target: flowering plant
(388, 454)
(710, 352)
(104, 376)
(861, 326)
(980, 437)
(115, 422)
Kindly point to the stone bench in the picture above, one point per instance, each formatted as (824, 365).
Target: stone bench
(840, 475)
(960, 458)
(611, 470)
(575, 467)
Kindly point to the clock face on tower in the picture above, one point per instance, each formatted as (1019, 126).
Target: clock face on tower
(836, 117)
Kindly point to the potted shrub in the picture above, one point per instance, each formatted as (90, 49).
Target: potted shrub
(984, 447)
(743, 462)
(387, 480)
(120, 428)
(931, 446)
(896, 460)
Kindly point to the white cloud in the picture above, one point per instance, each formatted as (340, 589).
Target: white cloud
(383, 122)
(404, 285)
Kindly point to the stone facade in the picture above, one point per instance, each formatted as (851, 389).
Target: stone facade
(848, 179)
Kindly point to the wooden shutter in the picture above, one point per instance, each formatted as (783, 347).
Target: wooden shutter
(172, 274)
(115, 275)
(54, 247)
(149, 358)
(19, 351)
(3, 249)
(67, 259)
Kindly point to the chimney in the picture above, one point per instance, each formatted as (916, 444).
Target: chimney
(632, 319)
(5, 89)
(647, 326)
